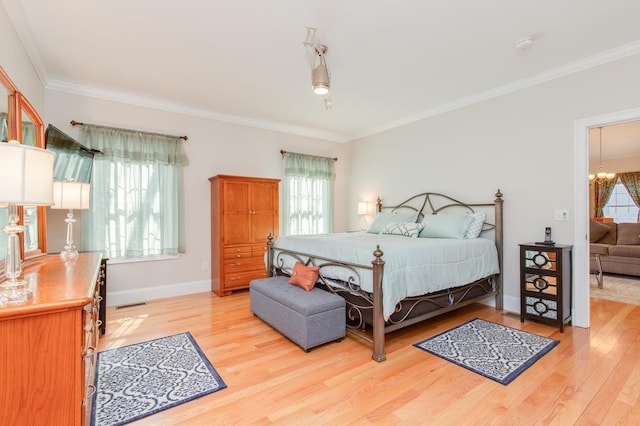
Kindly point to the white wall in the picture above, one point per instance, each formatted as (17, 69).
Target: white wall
(521, 143)
(213, 148)
(17, 65)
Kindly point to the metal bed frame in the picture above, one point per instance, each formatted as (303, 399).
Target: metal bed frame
(365, 309)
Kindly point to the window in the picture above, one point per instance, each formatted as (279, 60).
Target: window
(620, 205)
(308, 194)
(136, 209)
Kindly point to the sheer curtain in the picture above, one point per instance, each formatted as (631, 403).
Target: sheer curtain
(136, 187)
(308, 194)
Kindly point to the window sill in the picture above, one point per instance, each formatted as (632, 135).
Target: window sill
(120, 260)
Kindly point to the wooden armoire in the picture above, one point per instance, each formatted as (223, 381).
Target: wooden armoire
(244, 211)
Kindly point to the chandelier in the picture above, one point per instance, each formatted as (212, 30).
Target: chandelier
(601, 176)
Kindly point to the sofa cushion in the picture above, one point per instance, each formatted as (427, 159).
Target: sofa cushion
(601, 249)
(597, 230)
(632, 251)
(628, 233)
(610, 237)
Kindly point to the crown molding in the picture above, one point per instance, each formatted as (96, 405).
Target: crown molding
(549, 75)
(583, 64)
(127, 98)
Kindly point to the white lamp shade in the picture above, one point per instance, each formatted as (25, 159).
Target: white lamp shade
(363, 208)
(71, 195)
(320, 80)
(26, 173)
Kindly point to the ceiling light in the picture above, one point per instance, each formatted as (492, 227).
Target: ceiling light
(601, 176)
(320, 78)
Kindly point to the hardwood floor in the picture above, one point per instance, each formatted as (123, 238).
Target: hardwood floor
(591, 378)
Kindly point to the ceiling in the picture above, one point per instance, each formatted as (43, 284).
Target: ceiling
(244, 62)
(618, 141)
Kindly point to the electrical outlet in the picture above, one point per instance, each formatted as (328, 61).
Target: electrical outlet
(562, 214)
(205, 265)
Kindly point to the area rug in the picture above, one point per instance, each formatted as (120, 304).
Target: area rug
(492, 350)
(619, 288)
(139, 380)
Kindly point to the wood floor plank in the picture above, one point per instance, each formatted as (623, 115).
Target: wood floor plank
(591, 377)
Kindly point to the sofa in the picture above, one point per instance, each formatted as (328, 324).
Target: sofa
(618, 246)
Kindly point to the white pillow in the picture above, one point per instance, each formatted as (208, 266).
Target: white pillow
(382, 219)
(445, 225)
(410, 229)
(475, 227)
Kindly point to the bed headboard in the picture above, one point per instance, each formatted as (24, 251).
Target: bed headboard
(434, 203)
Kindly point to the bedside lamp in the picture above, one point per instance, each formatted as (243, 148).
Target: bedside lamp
(363, 210)
(26, 173)
(70, 195)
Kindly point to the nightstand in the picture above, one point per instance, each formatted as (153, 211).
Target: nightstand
(545, 283)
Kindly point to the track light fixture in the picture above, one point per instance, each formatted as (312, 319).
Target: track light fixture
(320, 78)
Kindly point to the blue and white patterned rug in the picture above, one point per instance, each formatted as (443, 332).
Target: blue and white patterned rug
(138, 380)
(493, 350)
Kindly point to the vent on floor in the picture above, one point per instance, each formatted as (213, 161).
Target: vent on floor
(131, 305)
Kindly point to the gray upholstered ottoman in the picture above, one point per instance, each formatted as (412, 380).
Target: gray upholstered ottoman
(309, 318)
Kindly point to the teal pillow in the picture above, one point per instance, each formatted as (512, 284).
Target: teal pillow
(445, 226)
(383, 219)
(475, 227)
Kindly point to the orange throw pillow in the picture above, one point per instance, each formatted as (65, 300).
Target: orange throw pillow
(304, 276)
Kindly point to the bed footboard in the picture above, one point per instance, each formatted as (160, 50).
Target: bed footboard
(366, 309)
(357, 302)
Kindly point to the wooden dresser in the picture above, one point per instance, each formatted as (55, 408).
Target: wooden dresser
(48, 346)
(244, 211)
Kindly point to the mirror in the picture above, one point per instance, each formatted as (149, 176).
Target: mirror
(28, 128)
(31, 132)
(7, 90)
(4, 115)
(20, 121)
(31, 240)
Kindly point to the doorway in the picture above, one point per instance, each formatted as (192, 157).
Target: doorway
(580, 285)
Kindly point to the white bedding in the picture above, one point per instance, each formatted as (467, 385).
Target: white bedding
(413, 266)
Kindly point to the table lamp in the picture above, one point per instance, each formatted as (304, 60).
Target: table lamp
(26, 173)
(363, 210)
(70, 195)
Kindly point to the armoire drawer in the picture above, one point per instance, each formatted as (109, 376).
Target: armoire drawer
(235, 252)
(242, 279)
(244, 264)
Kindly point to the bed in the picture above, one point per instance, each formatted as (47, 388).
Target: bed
(391, 280)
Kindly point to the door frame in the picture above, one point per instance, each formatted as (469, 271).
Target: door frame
(580, 284)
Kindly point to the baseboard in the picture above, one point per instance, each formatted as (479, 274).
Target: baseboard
(511, 304)
(127, 297)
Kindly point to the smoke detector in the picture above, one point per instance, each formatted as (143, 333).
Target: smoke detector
(524, 43)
